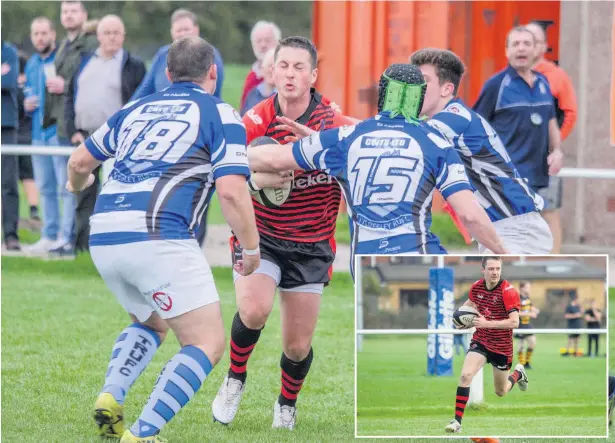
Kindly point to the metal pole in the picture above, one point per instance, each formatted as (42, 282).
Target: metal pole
(358, 282)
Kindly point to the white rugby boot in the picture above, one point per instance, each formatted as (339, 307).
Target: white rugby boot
(225, 404)
(284, 416)
(454, 426)
(523, 381)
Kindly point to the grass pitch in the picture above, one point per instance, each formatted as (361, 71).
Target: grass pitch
(59, 326)
(566, 396)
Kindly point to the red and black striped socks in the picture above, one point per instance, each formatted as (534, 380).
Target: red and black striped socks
(293, 375)
(460, 402)
(243, 340)
(514, 378)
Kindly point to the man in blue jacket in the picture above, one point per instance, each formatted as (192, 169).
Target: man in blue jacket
(184, 23)
(49, 171)
(10, 120)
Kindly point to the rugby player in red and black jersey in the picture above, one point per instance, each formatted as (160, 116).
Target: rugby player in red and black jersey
(296, 239)
(498, 303)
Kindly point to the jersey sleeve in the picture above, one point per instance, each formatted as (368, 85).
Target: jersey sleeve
(323, 151)
(102, 144)
(451, 123)
(512, 301)
(254, 124)
(451, 175)
(228, 150)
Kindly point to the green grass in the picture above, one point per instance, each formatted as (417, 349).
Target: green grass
(59, 326)
(566, 397)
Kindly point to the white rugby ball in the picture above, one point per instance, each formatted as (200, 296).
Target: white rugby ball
(464, 316)
(271, 197)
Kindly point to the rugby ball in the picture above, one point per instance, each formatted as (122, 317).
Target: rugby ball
(464, 316)
(270, 197)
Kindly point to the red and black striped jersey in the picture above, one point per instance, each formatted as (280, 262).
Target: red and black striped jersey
(310, 212)
(495, 304)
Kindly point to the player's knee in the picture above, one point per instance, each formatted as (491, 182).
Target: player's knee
(466, 378)
(500, 392)
(297, 350)
(254, 315)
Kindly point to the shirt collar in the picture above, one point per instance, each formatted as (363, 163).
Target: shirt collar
(187, 85)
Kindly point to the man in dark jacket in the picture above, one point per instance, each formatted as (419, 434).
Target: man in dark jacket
(10, 195)
(103, 82)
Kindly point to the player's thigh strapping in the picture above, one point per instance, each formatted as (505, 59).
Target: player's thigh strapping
(294, 266)
(523, 234)
(170, 277)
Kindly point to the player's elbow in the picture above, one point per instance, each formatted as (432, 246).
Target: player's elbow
(514, 322)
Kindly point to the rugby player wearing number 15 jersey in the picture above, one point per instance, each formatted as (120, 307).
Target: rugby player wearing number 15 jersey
(389, 167)
(498, 303)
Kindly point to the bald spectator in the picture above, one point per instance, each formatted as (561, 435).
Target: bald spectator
(566, 114)
(103, 83)
(264, 36)
(184, 23)
(266, 88)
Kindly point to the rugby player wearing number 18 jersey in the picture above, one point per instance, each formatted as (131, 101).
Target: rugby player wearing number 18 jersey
(296, 241)
(389, 167)
(498, 303)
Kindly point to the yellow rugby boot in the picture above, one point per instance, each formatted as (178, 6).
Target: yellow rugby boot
(109, 416)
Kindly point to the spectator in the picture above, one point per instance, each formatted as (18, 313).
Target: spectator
(264, 36)
(78, 40)
(593, 317)
(103, 83)
(10, 121)
(49, 171)
(24, 137)
(184, 23)
(566, 114)
(518, 103)
(264, 89)
(573, 316)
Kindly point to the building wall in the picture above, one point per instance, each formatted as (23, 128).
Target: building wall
(597, 222)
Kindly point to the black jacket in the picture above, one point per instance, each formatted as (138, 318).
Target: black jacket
(133, 71)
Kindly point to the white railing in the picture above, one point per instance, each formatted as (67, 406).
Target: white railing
(67, 150)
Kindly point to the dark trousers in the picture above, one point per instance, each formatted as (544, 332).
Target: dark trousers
(10, 191)
(86, 200)
(595, 339)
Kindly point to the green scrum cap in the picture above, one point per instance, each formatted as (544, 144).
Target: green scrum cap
(402, 91)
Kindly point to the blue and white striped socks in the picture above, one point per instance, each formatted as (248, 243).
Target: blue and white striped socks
(180, 379)
(133, 350)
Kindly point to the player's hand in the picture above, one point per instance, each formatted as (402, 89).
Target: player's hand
(336, 108)
(555, 160)
(296, 128)
(480, 322)
(77, 138)
(6, 68)
(69, 186)
(272, 179)
(55, 85)
(248, 264)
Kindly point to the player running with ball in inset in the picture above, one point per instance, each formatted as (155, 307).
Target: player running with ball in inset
(498, 303)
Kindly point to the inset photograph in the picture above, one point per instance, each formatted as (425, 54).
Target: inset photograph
(504, 346)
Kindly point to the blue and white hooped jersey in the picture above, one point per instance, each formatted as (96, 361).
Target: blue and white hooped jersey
(498, 186)
(388, 169)
(169, 148)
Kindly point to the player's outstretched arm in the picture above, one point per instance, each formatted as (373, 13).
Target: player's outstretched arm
(266, 158)
(80, 166)
(475, 219)
(237, 209)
